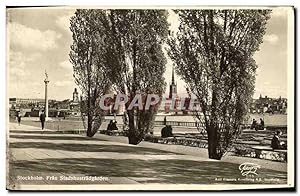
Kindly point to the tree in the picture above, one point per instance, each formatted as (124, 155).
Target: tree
(213, 53)
(137, 62)
(88, 65)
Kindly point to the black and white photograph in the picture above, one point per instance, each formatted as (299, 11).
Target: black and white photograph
(150, 98)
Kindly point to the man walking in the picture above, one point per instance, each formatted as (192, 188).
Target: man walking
(19, 118)
(42, 119)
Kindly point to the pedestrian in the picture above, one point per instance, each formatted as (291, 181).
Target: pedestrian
(19, 118)
(165, 120)
(42, 119)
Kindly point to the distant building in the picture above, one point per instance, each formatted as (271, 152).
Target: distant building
(75, 96)
(33, 107)
(269, 105)
(27, 103)
(27, 106)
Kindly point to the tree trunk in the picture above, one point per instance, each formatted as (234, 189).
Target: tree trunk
(133, 135)
(212, 130)
(89, 127)
(133, 139)
(212, 143)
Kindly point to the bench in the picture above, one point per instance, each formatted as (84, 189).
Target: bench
(113, 132)
(166, 140)
(247, 142)
(116, 133)
(184, 141)
(74, 131)
(284, 152)
(259, 149)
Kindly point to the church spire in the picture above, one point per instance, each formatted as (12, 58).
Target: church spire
(173, 86)
(173, 80)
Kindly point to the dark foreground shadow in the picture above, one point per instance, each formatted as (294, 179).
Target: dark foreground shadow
(35, 132)
(51, 137)
(88, 148)
(148, 171)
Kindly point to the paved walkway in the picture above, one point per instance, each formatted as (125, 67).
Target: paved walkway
(49, 158)
(201, 152)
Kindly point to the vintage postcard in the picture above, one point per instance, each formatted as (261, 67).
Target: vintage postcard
(150, 98)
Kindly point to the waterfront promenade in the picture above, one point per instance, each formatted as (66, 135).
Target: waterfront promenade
(52, 158)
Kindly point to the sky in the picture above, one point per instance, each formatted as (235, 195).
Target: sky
(39, 40)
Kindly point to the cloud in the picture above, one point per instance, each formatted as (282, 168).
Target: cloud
(271, 38)
(17, 65)
(30, 38)
(63, 83)
(20, 64)
(64, 21)
(66, 65)
(67, 78)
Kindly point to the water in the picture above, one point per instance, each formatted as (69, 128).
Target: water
(270, 119)
(275, 119)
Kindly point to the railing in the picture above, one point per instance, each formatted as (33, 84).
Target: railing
(180, 124)
(198, 124)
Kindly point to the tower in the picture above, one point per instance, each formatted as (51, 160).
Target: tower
(173, 86)
(46, 95)
(75, 96)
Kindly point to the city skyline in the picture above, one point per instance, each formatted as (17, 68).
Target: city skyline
(46, 39)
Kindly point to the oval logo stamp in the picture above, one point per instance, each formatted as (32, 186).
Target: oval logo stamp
(248, 168)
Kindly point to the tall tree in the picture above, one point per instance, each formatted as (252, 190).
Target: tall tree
(213, 53)
(89, 68)
(137, 61)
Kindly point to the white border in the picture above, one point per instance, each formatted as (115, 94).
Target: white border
(111, 2)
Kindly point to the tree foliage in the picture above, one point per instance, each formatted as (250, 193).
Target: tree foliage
(120, 50)
(137, 61)
(213, 53)
(89, 68)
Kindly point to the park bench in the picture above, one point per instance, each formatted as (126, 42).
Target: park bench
(116, 133)
(184, 141)
(112, 132)
(247, 142)
(74, 131)
(281, 151)
(259, 149)
(165, 140)
(180, 140)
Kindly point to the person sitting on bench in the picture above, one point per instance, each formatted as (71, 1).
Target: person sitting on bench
(109, 126)
(254, 125)
(114, 126)
(276, 143)
(166, 131)
(261, 125)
